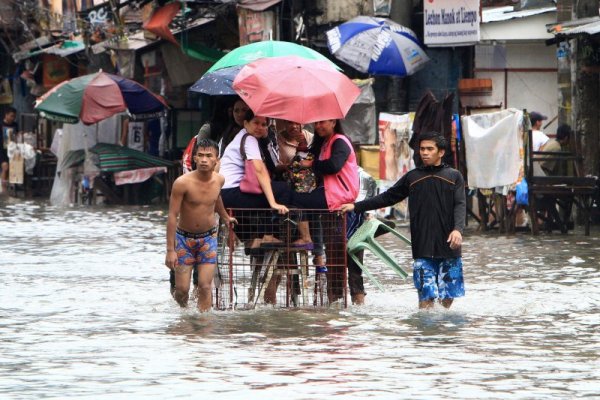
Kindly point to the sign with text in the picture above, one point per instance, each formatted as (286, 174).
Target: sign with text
(451, 22)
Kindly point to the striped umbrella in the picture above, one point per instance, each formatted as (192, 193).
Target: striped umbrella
(115, 158)
(377, 46)
(95, 97)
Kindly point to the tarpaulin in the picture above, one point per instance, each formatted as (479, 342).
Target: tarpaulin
(137, 175)
(160, 20)
(493, 146)
(360, 122)
(257, 5)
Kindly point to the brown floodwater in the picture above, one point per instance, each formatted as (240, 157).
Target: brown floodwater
(85, 312)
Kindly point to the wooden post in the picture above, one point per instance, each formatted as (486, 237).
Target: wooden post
(587, 92)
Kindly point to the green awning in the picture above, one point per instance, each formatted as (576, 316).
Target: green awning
(114, 158)
(201, 52)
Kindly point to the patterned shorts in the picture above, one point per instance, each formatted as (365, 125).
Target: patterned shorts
(196, 249)
(438, 278)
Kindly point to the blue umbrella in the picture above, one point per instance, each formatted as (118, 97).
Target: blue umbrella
(217, 82)
(377, 46)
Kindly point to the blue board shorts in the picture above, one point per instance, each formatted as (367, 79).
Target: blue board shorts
(195, 249)
(438, 278)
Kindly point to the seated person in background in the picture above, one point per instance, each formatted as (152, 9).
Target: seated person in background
(539, 138)
(548, 203)
(554, 167)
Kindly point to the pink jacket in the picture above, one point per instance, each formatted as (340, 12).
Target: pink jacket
(342, 187)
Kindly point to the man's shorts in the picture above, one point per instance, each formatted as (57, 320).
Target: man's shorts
(195, 249)
(438, 278)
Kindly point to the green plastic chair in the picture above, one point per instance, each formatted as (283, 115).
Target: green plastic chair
(364, 238)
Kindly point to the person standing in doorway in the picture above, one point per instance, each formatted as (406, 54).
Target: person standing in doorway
(7, 135)
(133, 134)
(437, 208)
(192, 226)
(539, 138)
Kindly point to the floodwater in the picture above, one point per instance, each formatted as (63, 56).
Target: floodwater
(85, 312)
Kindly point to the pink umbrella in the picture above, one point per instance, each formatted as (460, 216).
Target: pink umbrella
(295, 89)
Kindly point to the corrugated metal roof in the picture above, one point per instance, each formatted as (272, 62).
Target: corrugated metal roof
(505, 13)
(62, 49)
(591, 26)
(138, 41)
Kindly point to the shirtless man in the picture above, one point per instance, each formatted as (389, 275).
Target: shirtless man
(191, 226)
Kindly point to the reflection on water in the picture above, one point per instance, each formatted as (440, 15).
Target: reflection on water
(85, 311)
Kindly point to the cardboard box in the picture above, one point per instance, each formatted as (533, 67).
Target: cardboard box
(369, 159)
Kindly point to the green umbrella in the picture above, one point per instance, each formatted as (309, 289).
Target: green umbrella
(270, 48)
(115, 158)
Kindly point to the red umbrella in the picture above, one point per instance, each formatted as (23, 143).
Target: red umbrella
(295, 89)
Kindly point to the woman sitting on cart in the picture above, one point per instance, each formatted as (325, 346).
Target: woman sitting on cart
(274, 194)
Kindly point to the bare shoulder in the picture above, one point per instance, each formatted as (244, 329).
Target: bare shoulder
(220, 179)
(182, 181)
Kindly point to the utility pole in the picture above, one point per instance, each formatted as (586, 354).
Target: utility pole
(586, 92)
(564, 13)
(398, 89)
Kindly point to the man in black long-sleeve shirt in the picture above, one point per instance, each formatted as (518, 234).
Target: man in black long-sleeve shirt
(437, 208)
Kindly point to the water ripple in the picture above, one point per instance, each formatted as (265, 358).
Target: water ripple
(85, 312)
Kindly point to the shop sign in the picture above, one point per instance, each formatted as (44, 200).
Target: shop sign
(451, 22)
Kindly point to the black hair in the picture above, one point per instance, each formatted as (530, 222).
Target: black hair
(249, 116)
(10, 109)
(221, 117)
(317, 143)
(563, 132)
(438, 139)
(206, 144)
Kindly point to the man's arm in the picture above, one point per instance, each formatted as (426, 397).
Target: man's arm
(393, 195)
(124, 131)
(220, 209)
(174, 207)
(460, 213)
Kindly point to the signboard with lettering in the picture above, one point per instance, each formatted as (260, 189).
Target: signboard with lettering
(451, 22)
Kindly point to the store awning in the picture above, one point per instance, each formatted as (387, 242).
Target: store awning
(496, 14)
(503, 24)
(590, 26)
(138, 40)
(201, 52)
(64, 49)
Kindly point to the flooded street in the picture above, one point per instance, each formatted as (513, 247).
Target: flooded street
(85, 312)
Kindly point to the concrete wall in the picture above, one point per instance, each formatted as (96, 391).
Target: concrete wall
(524, 75)
(342, 10)
(440, 75)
